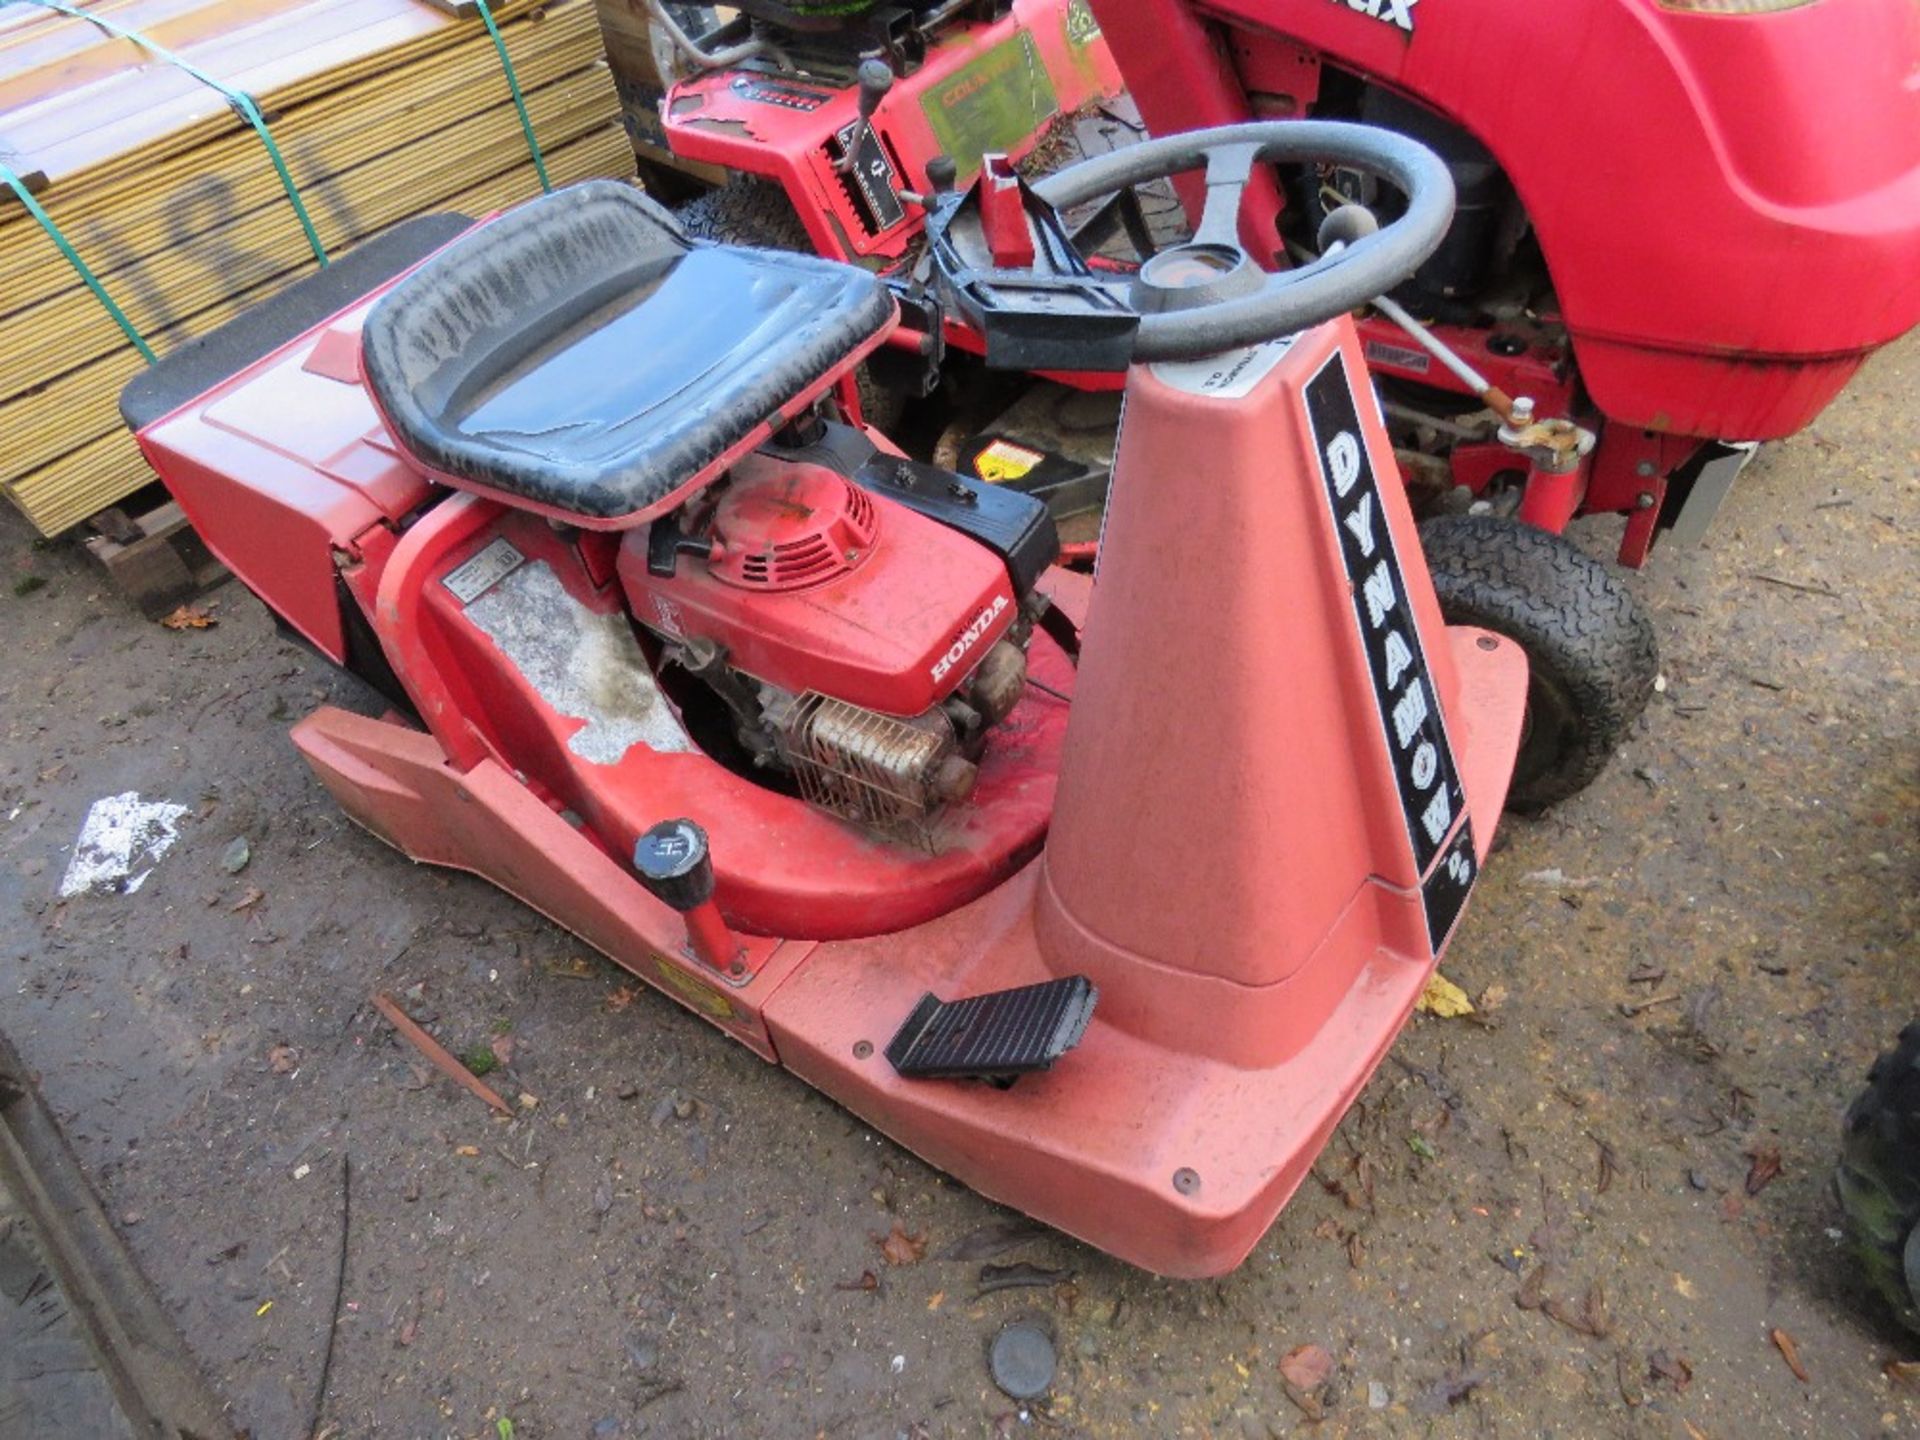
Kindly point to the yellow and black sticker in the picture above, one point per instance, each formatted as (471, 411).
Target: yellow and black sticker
(1082, 28)
(1002, 460)
(696, 993)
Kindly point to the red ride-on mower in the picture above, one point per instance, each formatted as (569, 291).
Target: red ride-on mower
(1680, 222)
(1670, 235)
(829, 115)
(1105, 895)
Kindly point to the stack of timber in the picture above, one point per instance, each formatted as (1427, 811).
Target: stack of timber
(381, 109)
(644, 66)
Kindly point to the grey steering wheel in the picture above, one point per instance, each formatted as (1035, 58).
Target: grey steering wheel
(1208, 295)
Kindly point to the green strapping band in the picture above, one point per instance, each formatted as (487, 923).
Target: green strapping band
(19, 187)
(519, 100)
(238, 99)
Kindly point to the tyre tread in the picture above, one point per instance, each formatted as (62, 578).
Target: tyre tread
(1570, 613)
(1878, 1177)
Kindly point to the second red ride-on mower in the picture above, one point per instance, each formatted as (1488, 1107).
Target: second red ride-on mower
(1105, 894)
(835, 122)
(1681, 222)
(827, 115)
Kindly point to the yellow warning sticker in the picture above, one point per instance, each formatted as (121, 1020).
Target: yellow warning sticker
(696, 993)
(1002, 460)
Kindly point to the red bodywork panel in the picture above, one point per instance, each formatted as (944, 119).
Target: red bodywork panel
(864, 633)
(1729, 205)
(970, 97)
(284, 467)
(401, 785)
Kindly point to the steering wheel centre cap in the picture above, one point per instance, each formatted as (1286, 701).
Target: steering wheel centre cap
(1191, 275)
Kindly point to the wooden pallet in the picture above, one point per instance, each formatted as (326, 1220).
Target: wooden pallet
(383, 109)
(627, 31)
(155, 559)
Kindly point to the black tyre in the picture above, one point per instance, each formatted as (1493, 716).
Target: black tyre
(750, 211)
(1590, 647)
(1878, 1178)
(746, 211)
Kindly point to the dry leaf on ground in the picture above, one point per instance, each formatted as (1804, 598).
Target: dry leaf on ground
(1444, 998)
(1307, 1367)
(188, 617)
(897, 1247)
(1589, 1317)
(1789, 1352)
(1672, 1368)
(1532, 1293)
(1766, 1165)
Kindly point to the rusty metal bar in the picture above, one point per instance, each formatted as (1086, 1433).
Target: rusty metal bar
(141, 1354)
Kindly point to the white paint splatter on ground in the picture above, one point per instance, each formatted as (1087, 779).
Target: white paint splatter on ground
(121, 841)
(585, 665)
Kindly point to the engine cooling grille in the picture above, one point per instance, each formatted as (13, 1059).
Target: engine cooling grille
(872, 769)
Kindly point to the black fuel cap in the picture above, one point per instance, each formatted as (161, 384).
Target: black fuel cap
(674, 864)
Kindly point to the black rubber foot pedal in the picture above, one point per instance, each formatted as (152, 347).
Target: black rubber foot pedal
(996, 1036)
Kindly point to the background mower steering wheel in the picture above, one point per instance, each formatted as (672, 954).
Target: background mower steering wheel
(1194, 299)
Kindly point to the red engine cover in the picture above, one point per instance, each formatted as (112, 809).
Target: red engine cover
(815, 584)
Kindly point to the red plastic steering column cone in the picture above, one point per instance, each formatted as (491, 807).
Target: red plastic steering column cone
(1229, 723)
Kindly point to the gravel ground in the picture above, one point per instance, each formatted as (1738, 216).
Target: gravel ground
(676, 1240)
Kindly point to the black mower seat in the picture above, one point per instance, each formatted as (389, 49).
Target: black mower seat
(581, 354)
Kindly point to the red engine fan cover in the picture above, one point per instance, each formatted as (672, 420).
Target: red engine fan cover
(800, 527)
(816, 584)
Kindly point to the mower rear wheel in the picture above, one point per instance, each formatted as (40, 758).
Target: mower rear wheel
(750, 211)
(1590, 647)
(1878, 1178)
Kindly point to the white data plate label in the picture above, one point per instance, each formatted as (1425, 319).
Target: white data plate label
(484, 571)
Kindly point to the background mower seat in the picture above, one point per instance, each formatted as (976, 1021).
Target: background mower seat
(581, 355)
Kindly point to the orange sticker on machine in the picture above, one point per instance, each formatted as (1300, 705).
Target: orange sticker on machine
(1002, 460)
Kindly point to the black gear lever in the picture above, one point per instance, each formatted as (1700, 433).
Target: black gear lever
(876, 79)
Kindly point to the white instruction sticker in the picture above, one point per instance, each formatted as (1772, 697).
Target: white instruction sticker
(1228, 375)
(470, 581)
